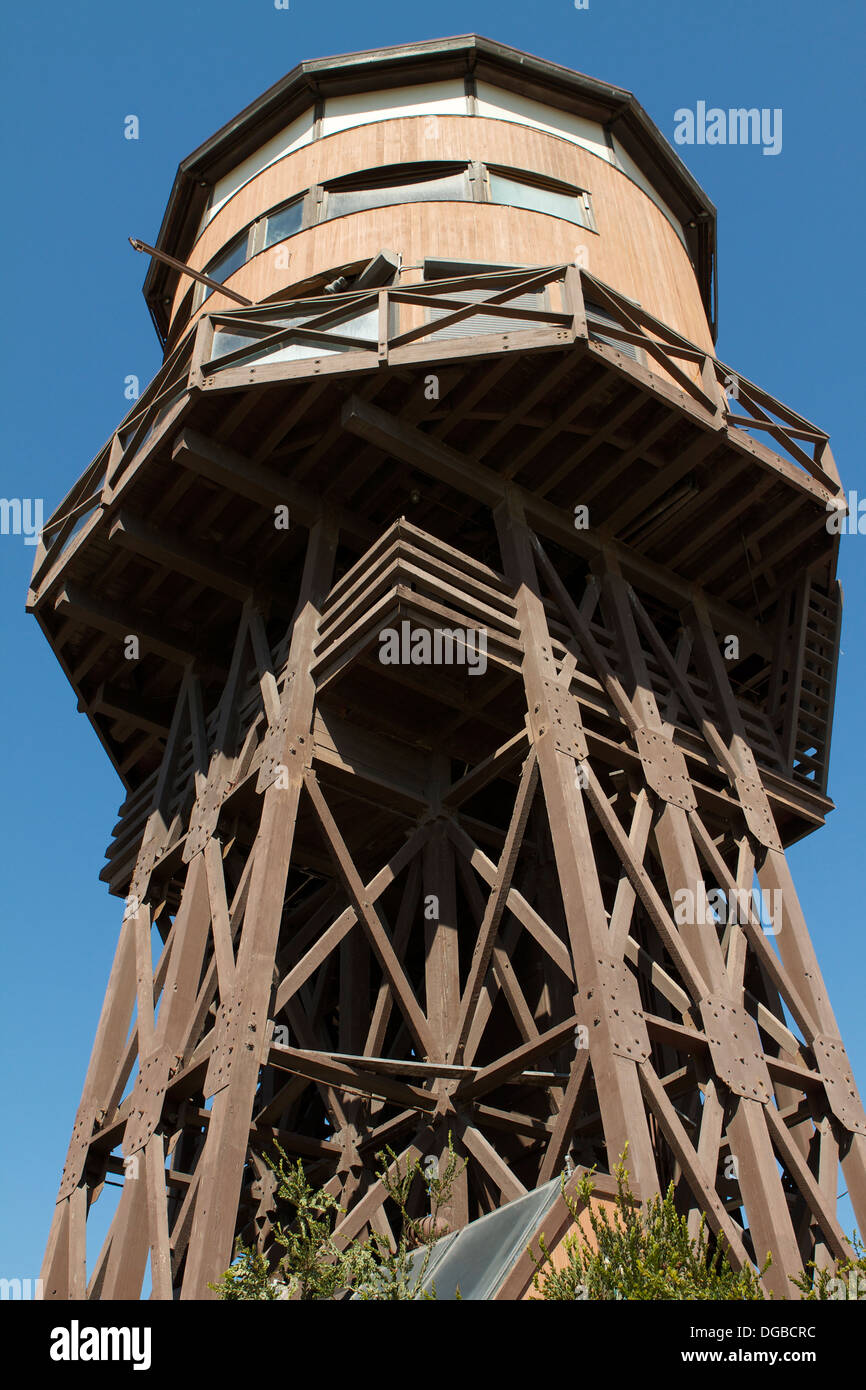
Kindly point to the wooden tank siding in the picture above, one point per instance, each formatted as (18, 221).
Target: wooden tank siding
(479, 105)
(623, 235)
(458, 894)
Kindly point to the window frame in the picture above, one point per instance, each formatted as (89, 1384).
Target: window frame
(390, 176)
(315, 199)
(242, 237)
(532, 179)
(258, 242)
(464, 269)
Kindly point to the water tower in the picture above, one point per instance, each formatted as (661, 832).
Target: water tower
(464, 634)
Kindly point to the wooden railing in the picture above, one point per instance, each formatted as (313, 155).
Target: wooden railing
(399, 326)
(409, 570)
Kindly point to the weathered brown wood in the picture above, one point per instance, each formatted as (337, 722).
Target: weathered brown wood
(692, 1165)
(501, 975)
(496, 903)
(517, 904)
(581, 893)
(561, 1137)
(334, 942)
(371, 921)
(422, 903)
(232, 1107)
(441, 461)
(491, 1161)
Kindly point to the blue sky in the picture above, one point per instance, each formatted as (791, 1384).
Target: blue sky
(790, 235)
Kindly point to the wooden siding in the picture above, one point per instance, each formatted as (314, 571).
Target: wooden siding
(636, 249)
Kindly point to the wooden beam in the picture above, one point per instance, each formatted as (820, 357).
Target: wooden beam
(159, 639)
(167, 547)
(241, 475)
(466, 476)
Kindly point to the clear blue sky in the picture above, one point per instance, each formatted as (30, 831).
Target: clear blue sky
(791, 291)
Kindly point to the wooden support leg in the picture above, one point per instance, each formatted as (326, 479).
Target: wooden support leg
(442, 973)
(222, 1162)
(617, 1082)
(127, 1257)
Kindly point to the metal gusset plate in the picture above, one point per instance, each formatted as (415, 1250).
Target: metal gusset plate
(842, 1094)
(205, 815)
(235, 1028)
(665, 769)
(146, 1102)
(615, 1000)
(565, 721)
(735, 1048)
(144, 864)
(756, 809)
(272, 746)
(75, 1159)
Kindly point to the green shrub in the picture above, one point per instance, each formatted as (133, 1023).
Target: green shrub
(314, 1267)
(642, 1254)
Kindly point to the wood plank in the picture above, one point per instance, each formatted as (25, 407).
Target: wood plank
(496, 903)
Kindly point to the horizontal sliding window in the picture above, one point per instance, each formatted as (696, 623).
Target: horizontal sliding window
(572, 205)
(284, 222)
(397, 184)
(436, 268)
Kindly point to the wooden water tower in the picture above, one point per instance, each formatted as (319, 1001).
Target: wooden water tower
(485, 633)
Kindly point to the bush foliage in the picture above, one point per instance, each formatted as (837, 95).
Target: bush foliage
(635, 1254)
(316, 1267)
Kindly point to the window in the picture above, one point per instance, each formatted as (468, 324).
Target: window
(435, 268)
(598, 318)
(359, 328)
(399, 183)
(230, 259)
(478, 323)
(425, 181)
(571, 204)
(283, 223)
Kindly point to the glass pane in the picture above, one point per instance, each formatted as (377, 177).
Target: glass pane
(569, 206)
(362, 326)
(228, 261)
(487, 323)
(224, 343)
(596, 318)
(284, 223)
(453, 187)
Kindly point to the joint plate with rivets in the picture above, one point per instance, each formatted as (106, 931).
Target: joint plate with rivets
(272, 746)
(665, 769)
(75, 1158)
(564, 721)
(842, 1094)
(756, 809)
(147, 857)
(146, 1101)
(735, 1048)
(235, 1028)
(205, 815)
(615, 1001)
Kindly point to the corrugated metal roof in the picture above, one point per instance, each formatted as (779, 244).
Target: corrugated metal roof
(477, 1258)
